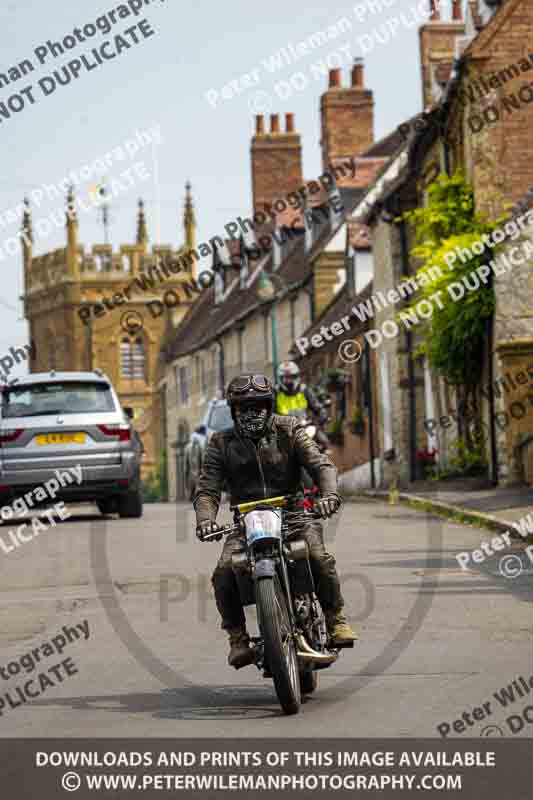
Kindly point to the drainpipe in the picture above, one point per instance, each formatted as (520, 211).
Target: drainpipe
(369, 398)
(410, 363)
(490, 347)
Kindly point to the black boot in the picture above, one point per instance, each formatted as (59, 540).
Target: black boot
(240, 654)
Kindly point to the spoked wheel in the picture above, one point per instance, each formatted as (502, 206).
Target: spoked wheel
(280, 650)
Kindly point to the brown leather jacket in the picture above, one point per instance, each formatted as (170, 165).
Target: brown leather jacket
(268, 468)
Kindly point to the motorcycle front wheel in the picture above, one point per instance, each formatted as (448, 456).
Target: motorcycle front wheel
(280, 650)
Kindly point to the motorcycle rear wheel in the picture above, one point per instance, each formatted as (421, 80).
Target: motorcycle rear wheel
(280, 650)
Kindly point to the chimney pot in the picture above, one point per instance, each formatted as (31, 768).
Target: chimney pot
(334, 78)
(434, 10)
(259, 124)
(289, 123)
(357, 73)
(274, 123)
(457, 13)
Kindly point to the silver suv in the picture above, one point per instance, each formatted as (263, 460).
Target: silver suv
(58, 420)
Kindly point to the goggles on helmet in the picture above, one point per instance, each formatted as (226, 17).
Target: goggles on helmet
(258, 382)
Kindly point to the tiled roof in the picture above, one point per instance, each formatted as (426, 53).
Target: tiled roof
(204, 321)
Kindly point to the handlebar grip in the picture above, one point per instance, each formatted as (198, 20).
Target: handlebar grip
(224, 531)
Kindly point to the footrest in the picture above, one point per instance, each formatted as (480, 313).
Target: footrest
(342, 645)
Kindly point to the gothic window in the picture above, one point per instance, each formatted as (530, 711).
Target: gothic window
(132, 358)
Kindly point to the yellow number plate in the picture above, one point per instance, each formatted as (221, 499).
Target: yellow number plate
(60, 438)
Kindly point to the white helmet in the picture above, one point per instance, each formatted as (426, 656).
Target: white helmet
(289, 377)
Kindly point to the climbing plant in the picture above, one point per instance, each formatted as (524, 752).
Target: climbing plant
(453, 337)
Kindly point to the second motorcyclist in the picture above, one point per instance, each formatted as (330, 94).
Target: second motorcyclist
(293, 395)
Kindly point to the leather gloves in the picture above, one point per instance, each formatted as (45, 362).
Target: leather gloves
(327, 506)
(207, 527)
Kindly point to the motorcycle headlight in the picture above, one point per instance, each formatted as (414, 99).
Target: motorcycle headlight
(311, 431)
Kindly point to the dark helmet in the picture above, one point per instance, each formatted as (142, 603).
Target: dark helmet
(251, 400)
(250, 387)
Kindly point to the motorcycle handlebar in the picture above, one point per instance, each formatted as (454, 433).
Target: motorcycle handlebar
(226, 530)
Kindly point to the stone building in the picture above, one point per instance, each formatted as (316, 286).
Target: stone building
(477, 96)
(229, 328)
(88, 310)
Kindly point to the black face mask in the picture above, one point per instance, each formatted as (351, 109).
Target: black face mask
(251, 420)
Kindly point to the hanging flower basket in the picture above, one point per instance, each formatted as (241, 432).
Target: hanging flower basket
(336, 379)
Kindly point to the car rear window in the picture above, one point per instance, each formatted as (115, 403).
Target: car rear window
(220, 418)
(72, 397)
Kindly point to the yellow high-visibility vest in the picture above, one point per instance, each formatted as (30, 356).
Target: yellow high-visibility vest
(285, 403)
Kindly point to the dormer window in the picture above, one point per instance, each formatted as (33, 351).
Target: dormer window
(336, 208)
(309, 225)
(220, 276)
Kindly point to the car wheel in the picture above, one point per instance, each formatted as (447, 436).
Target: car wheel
(107, 506)
(130, 505)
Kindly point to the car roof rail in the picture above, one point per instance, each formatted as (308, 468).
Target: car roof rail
(98, 372)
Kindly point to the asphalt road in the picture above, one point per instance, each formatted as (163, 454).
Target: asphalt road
(435, 641)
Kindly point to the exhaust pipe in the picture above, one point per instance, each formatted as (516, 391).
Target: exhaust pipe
(306, 653)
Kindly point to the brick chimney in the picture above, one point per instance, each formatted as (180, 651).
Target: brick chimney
(347, 116)
(276, 161)
(437, 47)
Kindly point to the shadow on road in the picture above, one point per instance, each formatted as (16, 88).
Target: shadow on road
(231, 702)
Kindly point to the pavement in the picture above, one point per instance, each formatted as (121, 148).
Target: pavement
(495, 508)
(436, 641)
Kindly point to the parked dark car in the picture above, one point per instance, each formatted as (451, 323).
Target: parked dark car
(216, 418)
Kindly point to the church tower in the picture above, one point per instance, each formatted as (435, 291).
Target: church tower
(104, 308)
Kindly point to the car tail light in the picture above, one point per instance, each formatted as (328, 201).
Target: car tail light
(10, 434)
(123, 432)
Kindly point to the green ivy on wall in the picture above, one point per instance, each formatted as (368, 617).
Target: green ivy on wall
(453, 338)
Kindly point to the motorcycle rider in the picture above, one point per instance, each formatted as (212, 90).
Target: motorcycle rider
(262, 456)
(293, 395)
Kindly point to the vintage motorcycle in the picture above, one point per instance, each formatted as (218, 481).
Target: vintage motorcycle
(273, 572)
